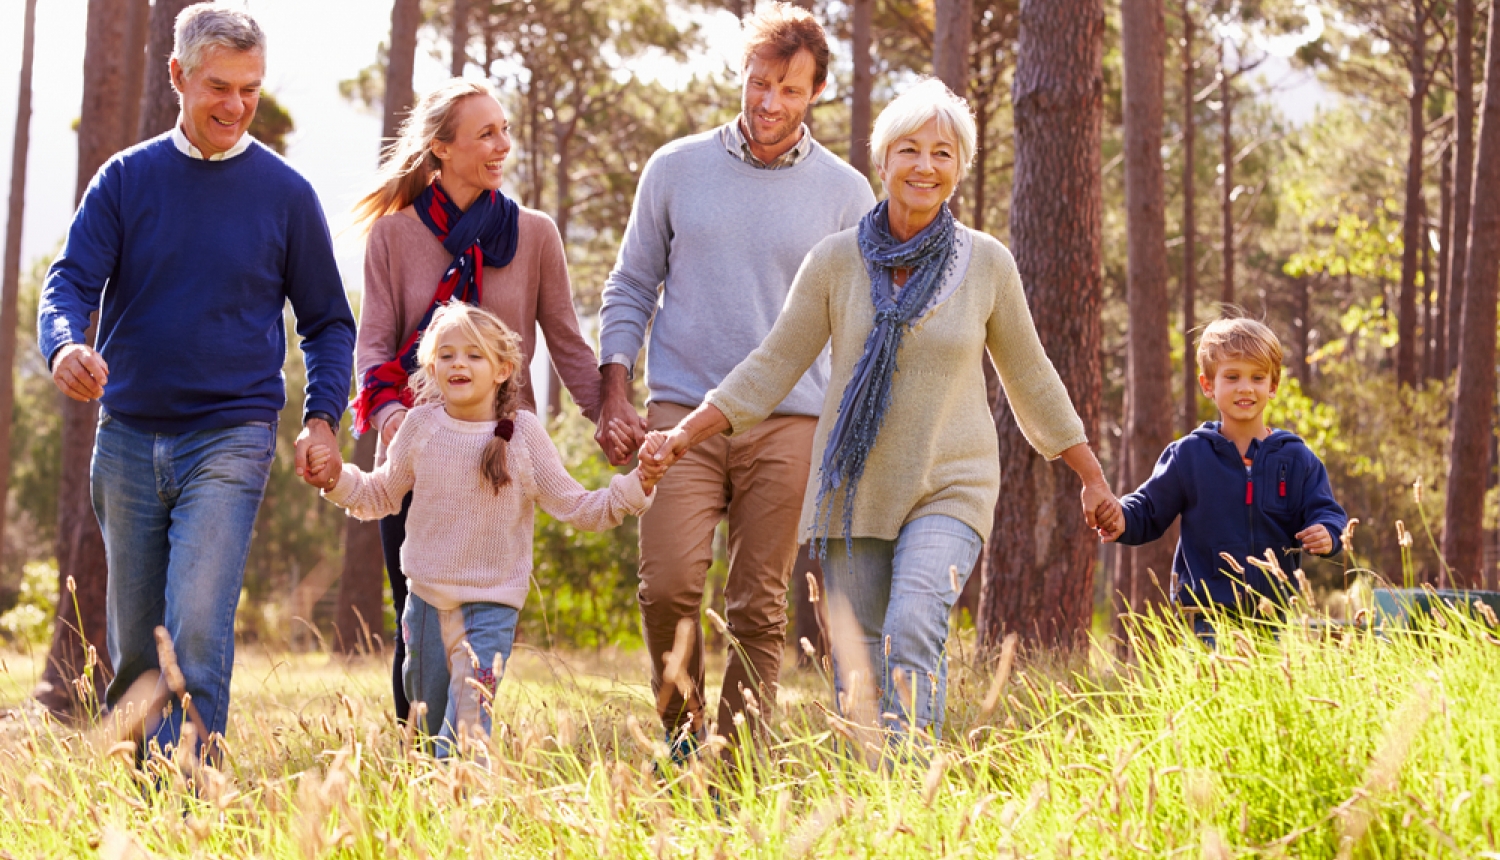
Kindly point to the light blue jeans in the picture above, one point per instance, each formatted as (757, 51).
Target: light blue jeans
(900, 592)
(445, 650)
(177, 512)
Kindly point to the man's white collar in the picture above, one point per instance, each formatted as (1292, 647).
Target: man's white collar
(186, 147)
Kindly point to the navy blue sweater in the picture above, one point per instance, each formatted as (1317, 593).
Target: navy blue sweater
(1202, 478)
(190, 264)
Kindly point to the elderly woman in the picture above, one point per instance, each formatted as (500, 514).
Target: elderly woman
(910, 465)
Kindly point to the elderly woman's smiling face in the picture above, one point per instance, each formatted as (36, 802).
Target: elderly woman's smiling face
(920, 171)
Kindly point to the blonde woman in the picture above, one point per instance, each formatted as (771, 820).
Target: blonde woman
(441, 230)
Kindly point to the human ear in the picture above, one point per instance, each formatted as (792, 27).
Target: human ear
(1206, 385)
(174, 71)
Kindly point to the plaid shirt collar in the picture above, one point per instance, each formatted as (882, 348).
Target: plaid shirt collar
(739, 147)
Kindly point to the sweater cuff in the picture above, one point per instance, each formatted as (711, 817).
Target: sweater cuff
(636, 500)
(341, 491)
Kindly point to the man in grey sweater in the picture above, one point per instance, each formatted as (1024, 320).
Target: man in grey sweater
(720, 224)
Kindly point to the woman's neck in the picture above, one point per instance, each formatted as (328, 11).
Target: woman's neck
(906, 223)
(461, 194)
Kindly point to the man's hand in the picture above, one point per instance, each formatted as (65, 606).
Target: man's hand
(391, 425)
(1316, 539)
(315, 432)
(79, 372)
(621, 429)
(324, 465)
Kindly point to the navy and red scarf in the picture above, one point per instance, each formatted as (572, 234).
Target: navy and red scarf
(484, 235)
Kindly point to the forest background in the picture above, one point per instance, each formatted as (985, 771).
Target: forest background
(1346, 229)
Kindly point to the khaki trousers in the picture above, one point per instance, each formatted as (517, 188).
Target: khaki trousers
(757, 480)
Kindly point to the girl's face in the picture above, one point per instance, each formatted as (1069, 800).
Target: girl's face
(473, 162)
(467, 376)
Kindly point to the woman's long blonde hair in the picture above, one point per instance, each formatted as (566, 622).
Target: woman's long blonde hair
(409, 164)
(500, 345)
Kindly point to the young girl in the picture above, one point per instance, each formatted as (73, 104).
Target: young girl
(477, 466)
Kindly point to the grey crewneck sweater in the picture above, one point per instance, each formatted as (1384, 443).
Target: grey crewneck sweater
(719, 242)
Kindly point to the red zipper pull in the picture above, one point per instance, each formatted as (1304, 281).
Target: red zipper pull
(1249, 491)
(1283, 489)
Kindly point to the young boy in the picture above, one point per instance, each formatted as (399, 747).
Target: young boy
(1239, 486)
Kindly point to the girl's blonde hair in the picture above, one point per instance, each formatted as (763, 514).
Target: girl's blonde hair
(500, 345)
(409, 164)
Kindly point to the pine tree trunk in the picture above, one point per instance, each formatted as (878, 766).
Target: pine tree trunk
(82, 575)
(459, 38)
(137, 28)
(1457, 237)
(1226, 202)
(1042, 554)
(12, 275)
(1145, 576)
(1189, 226)
(1411, 222)
(952, 30)
(159, 105)
(406, 17)
(1473, 418)
(859, 97)
(1438, 362)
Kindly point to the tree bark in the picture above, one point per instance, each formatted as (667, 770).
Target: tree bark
(1189, 225)
(137, 28)
(1473, 418)
(159, 105)
(459, 38)
(1438, 365)
(406, 17)
(1226, 156)
(10, 285)
(1042, 554)
(1148, 350)
(1411, 221)
(859, 97)
(1457, 237)
(953, 26)
(82, 574)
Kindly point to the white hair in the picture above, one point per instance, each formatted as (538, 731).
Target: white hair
(202, 26)
(929, 99)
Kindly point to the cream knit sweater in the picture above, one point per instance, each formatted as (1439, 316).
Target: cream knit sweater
(465, 543)
(937, 452)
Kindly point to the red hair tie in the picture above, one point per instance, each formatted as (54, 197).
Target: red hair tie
(505, 428)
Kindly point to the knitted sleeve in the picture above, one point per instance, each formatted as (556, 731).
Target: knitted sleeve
(575, 359)
(630, 291)
(372, 495)
(381, 327)
(1036, 393)
(560, 495)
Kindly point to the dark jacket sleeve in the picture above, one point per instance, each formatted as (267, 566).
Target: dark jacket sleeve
(324, 319)
(77, 277)
(1150, 510)
(1318, 505)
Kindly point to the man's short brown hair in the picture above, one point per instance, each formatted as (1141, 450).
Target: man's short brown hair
(779, 31)
(1239, 339)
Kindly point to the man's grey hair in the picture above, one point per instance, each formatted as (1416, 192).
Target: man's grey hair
(930, 99)
(202, 26)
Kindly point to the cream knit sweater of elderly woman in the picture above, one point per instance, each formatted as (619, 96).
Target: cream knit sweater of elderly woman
(937, 452)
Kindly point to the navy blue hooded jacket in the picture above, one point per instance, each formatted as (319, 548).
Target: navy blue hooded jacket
(1202, 478)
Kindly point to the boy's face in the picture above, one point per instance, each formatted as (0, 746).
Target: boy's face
(1241, 389)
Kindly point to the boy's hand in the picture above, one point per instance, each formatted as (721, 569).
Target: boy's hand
(323, 467)
(1316, 539)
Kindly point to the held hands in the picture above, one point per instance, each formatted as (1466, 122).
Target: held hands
(80, 373)
(656, 457)
(1101, 510)
(324, 465)
(1316, 539)
(621, 429)
(317, 433)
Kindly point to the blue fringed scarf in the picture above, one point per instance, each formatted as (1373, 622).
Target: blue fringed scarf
(867, 397)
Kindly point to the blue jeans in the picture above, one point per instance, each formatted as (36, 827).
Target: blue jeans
(177, 512)
(445, 650)
(900, 592)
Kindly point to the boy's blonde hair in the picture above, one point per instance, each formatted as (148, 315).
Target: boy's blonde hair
(1239, 339)
(500, 345)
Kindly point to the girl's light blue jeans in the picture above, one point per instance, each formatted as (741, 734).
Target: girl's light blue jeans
(900, 592)
(445, 650)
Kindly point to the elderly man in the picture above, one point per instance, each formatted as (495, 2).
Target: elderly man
(189, 246)
(721, 222)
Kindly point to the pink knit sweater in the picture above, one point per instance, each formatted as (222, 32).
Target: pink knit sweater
(403, 264)
(465, 543)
